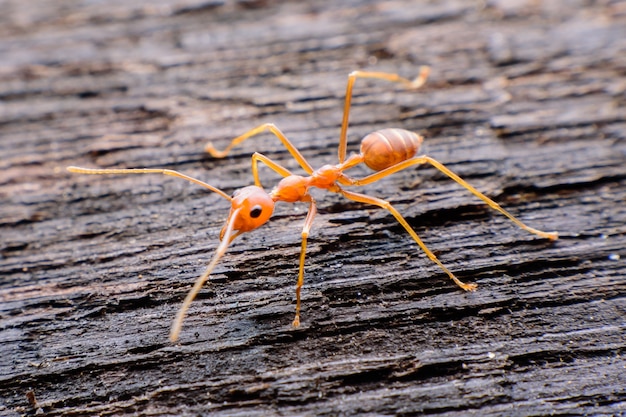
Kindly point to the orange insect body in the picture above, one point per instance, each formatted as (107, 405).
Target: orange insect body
(291, 189)
(326, 176)
(379, 150)
(388, 147)
(385, 151)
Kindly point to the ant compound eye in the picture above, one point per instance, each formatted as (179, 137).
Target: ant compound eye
(256, 211)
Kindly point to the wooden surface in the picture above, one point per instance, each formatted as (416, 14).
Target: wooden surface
(526, 101)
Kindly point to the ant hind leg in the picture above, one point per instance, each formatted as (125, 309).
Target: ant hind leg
(417, 82)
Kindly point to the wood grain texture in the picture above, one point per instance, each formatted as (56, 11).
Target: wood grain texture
(525, 101)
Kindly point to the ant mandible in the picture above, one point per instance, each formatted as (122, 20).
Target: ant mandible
(385, 151)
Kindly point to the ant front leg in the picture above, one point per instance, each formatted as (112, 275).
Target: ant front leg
(275, 166)
(256, 158)
(256, 131)
(305, 234)
(411, 84)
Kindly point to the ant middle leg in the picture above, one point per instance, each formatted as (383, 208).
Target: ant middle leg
(362, 198)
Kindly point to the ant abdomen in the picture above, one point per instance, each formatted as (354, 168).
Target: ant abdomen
(387, 147)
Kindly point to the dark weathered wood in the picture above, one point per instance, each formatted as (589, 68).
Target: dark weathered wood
(526, 101)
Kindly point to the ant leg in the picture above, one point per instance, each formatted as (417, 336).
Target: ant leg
(361, 198)
(258, 157)
(171, 173)
(305, 234)
(428, 160)
(258, 130)
(412, 84)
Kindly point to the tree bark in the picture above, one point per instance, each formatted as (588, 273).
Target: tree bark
(525, 101)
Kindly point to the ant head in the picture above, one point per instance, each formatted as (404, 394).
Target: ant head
(251, 207)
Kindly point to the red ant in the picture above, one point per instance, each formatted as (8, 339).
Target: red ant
(385, 151)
